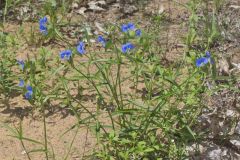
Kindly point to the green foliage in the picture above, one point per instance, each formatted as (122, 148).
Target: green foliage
(7, 76)
(151, 108)
(198, 34)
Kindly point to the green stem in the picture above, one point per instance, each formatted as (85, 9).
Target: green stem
(118, 81)
(95, 87)
(24, 148)
(74, 137)
(153, 113)
(114, 93)
(45, 133)
(90, 113)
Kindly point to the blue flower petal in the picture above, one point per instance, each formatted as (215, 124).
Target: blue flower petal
(202, 61)
(28, 95)
(102, 40)
(65, 55)
(127, 47)
(68, 55)
(43, 29)
(29, 88)
(138, 32)
(43, 20)
(62, 55)
(43, 25)
(131, 26)
(208, 55)
(21, 83)
(81, 48)
(124, 28)
(127, 27)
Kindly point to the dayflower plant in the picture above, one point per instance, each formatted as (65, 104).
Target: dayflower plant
(21, 83)
(127, 27)
(127, 47)
(81, 48)
(65, 55)
(124, 28)
(43, 25)
(138, 32)
(204, 60)
(101, 40)
(29, 93)
(131, 26)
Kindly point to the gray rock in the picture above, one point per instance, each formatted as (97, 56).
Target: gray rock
(81, 11)
(235, 156)
(129, 9)
(230, 113)
(237, 129)
(214, 154)
(217, 153)
(235, 143)
(234, 7)
(97, 6)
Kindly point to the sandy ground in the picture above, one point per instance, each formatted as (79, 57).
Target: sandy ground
(57, 124)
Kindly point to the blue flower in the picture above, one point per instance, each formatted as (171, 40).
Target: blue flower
(29, 93)
(208, 55)
(43, 20)
(201, 61)
(43, 25)
(21, 63)
(124, 28)
(21, 83)
(81, 48)
(102, 40)
(127, 27)
(138, 32)
(131, 26)
(126, 47)
(66, 54)
(29, 88)
(204, 60)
